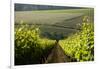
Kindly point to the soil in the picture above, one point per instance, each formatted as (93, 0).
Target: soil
(57, 55)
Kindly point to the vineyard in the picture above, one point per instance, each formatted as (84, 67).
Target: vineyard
(31, 49)
(54, 36)
(81, 44)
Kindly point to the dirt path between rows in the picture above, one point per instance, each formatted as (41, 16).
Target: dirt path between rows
(57, 55)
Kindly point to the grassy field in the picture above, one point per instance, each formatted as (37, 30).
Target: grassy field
(45, 14)
(55, 21)
(41, 17)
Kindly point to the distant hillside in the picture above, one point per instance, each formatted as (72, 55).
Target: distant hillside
(30, 7)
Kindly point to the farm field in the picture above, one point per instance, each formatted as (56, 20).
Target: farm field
(50, 16)
(54, 36)
(55, 20)
(43, 18)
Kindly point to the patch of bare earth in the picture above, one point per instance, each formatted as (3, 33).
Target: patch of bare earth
(57, 55)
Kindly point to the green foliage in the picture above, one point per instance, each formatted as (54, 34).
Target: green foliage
(29, 47)
(81, 44)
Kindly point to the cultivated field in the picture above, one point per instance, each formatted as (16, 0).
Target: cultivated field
(54, 21)
(43, 18)
(54, 36)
